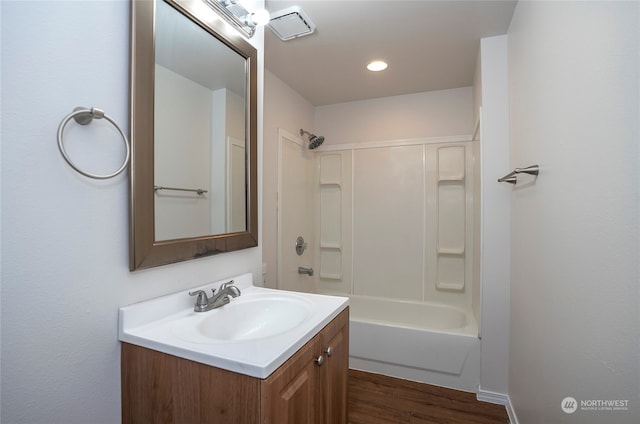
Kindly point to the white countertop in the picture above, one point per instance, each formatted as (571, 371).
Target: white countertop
(151, 324)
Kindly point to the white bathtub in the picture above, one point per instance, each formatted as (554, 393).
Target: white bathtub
(426, 342)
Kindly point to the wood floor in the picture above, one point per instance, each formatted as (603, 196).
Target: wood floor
(376, 399)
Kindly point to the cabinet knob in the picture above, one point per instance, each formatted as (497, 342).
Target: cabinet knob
(329, 351)
(319, 360)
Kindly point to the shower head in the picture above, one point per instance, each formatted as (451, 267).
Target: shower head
(314, 140)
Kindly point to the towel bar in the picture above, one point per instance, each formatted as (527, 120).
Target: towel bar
(512, 178)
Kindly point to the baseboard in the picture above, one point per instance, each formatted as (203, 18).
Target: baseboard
(499, 399)
(513, 419)
(492, 397)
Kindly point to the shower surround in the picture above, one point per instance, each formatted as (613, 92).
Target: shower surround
(394, 231)
(395, 221)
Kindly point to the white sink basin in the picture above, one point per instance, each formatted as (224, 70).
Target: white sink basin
(247, 317)
(253, 334)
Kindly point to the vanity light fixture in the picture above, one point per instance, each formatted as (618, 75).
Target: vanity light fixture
(260, 17)
(238, 14)
(377, 66)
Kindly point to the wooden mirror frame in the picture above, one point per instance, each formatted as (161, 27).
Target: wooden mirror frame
(144, 250)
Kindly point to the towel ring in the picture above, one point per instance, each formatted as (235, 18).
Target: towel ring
(84, 116)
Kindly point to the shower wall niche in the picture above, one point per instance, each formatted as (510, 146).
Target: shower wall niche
(451, 218)
(331, 192)
(395, 220)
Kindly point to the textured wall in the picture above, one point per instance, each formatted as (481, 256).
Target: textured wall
(285, 109)
(65, 237)
(574, 84)
(494, 255)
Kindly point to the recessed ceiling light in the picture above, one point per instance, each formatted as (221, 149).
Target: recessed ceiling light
(377, 65)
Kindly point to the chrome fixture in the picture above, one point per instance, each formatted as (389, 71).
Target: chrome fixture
(84, 116)
(512, 177)
(300, 245)
(235, 13)
(203, 303)
(291, 23)
(303, 270)
(195, 190)
(314, 140)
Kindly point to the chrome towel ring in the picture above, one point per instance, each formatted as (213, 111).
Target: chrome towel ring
(84, 116)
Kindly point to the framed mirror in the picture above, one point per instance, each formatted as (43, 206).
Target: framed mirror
(193, 132)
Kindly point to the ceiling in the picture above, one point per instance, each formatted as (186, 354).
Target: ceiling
(429, 45)
(180, 45)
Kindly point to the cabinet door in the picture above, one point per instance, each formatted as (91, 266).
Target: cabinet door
(334, 370)
(290, 395)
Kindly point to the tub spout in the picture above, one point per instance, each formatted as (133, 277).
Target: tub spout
(303, 270)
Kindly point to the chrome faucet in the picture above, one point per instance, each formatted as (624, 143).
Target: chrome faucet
(204, 303)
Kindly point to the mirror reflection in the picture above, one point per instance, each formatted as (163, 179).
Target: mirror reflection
(194, 134)
(199, 127)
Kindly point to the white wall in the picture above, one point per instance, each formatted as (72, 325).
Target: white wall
(477, 187)
(65, 237)
(574, 84)
(227, 118)
(182, 155)
(218, 150)
(285, 109)
(419, 115)
(494, 251)
(235, 149)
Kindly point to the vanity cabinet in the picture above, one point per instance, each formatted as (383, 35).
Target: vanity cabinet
(334, 371)
(310, 387)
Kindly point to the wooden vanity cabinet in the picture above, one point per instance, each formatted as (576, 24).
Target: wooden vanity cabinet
(161, 388)
(311, 387)
(292, 393)
(334, 371)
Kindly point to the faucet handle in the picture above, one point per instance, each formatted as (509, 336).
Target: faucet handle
(227, 284)
(202, 299)
(230, 288)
